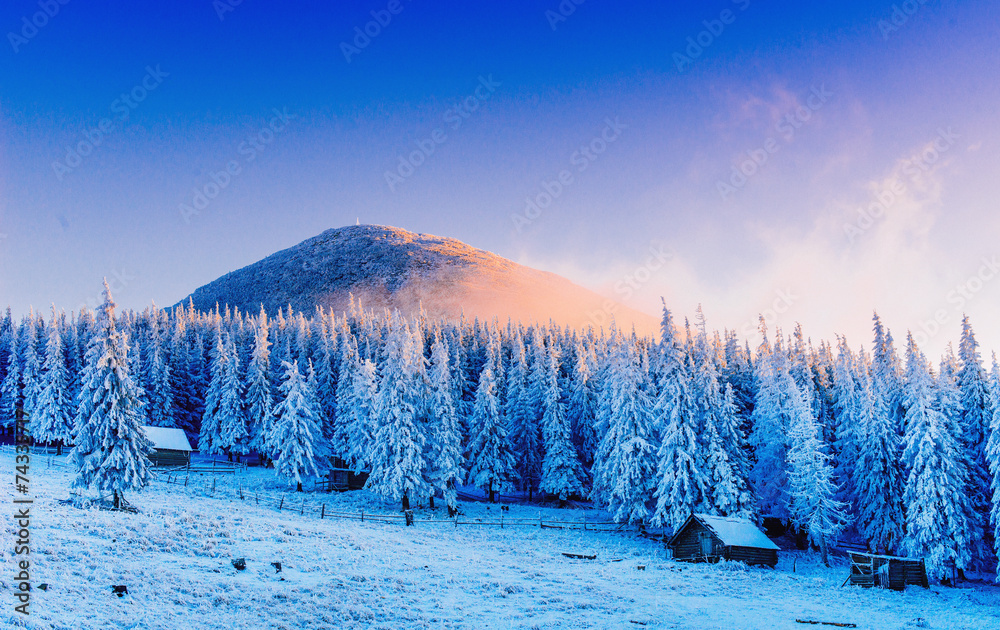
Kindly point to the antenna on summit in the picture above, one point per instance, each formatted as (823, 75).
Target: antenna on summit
(357, 221)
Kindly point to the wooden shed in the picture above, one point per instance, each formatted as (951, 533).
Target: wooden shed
(170, 446)
(869, 570)
(707, 538)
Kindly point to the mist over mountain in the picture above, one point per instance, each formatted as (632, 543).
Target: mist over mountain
(388, 267)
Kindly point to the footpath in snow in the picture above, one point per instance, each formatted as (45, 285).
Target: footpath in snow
(175, 556)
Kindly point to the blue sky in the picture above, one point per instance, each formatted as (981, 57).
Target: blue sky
(892, 106)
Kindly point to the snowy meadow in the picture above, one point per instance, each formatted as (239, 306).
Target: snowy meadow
(175, 556)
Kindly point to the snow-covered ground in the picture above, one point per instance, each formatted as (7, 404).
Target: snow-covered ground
(175, 558)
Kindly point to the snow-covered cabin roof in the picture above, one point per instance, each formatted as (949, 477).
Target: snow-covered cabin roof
(167, 439)
(736, 532)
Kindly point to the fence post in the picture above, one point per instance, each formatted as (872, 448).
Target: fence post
(303, 510)
(213, 484)
(241, 491)
(186, 480)
(362, 516)
(501, 520)
(322, 512)
(282, 504)
(258, 497)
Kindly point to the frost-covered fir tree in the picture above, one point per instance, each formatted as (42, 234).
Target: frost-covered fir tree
(210, 437)
(976, 415)
(812, 493)
(851, 408)
(878, 472)
(234, 439)
(31, 380)
(259, 397)
(396, 455)
(993, 456)
(562, 474)
(111, 449)
(296, 431)
(937, 526)
(491, 463)
(626, 460)
(444, 452)
(771, 420)
(581, 409)
(10, 387)
(524, 410)
(53, 421)
(160, 394)
(361, 418)
(682, 486)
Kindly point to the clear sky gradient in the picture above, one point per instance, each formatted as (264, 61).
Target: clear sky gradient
(728, 169)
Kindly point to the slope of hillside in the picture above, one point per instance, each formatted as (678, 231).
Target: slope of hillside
(394, 268)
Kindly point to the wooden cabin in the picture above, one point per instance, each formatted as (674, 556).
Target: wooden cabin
(871, 570)
(170, 446)
(707, 538)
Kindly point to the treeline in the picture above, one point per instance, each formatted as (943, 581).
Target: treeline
(823, 437)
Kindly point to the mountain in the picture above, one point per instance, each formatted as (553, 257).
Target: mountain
(388, 267)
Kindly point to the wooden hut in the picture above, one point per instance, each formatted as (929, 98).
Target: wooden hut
(171, 446)
(869, 569)
(707, 538)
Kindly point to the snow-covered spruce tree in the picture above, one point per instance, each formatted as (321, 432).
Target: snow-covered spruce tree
(681, 482)
(210, 437)
(851, 407)
(771, 420)
(398, 444)
(111, 449)
(626, 460)
(879, 472)
(234, 439)
(259, 397)
(581, 408)
(361, 418)
(524, 410)
(976, 416)
(937, 527)
(562, 474)
(491, 463)
(296, 429)
(31, 378)
(812, 493)
(993, 456)
(444, 453)
(10, 387)
(53, 421)
(160, 394)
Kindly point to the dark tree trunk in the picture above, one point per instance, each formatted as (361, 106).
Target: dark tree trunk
(431, 501)
(406, 500)
(492, 494)
(298, 487)
(59, 448)
(117, 500)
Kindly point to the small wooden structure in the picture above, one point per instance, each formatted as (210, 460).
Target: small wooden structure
(707, 538)
(870, 570)
(171, 446)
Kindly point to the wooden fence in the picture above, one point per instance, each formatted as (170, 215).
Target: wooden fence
(299, 503)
